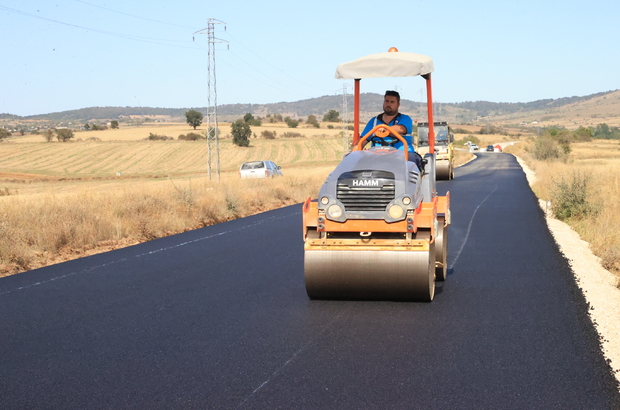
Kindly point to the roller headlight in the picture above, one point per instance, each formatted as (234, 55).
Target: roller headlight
(406, 200)
(396, 211)
(334, 211)
(325, 200)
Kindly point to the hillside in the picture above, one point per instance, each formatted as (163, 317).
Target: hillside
(570, 112)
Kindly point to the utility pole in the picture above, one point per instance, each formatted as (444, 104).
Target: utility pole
(212, 129)
(345, 114)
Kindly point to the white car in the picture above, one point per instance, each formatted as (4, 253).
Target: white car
(259, 169)
(473, 147)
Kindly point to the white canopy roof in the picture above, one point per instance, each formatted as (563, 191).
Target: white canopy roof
(390, 64)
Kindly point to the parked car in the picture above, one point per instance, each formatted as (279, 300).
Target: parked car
(473, 147)
(259, 169)
(490, 148)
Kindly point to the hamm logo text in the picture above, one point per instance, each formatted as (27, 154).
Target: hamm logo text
(365, 182)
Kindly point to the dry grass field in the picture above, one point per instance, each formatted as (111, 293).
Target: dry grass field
(593, 169)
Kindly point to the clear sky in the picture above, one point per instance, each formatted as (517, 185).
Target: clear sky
(61, 55)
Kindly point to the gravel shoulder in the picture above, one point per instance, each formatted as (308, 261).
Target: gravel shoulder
(599, 286)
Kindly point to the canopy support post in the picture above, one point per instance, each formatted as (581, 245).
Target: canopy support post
(429, 103)
(356, 112)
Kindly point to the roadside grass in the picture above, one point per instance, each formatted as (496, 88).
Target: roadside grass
(584, 192)
(37, 230)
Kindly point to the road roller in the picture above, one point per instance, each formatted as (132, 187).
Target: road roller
(444, 148)
(378, 230)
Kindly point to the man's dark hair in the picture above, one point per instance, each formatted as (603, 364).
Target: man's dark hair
(393, 94)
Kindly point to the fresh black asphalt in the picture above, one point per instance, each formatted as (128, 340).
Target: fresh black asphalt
(218, 318)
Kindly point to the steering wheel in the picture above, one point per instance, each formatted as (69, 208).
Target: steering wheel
(384, 142)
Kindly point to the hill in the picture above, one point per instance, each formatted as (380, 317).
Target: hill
(568, 111)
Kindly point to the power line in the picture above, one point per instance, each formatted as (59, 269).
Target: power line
(133, 15)
(109, 33)
(272, 66)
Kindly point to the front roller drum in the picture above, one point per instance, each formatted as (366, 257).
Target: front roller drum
(443, 170)
(370, 275)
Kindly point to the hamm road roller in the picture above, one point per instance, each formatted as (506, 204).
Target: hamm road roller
(378, 230)
(444, 148)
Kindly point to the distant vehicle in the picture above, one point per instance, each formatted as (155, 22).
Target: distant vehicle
(490, 148)
(498, 148)
(474, 147)
(259, 169)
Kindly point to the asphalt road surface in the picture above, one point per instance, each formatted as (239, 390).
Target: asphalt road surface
(218, 318)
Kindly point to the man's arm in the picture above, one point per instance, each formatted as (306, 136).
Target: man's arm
(405, 125)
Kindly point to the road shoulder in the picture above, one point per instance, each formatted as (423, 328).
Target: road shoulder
(599, 286)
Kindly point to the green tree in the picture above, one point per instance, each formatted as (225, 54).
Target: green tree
(313, 121)
(241, 133)
(331, 116)
(114, 124)
(249, 118)
(64, 134)
(86, 126)
(291, 122)
(583, 134)
(194, 118)
(4, 133)
(49, 135)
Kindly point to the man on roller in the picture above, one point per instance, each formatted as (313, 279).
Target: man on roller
(400, 123)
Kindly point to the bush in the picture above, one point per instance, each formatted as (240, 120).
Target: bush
(292, 135)
(313, 121)
(157, 137)
(4, 133)
(291, 122)
(241, 132)
(64, 134)
(470, 138)
(270, 135)
(460, 131)
(97, 127)
(192, 136)
(569, 197)
(548, 149)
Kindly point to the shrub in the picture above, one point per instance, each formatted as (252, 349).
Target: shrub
(270, 135)
(470, 138)
(157, 137)
(114, 124)
(547, 149)
(569, 197)
(4, 133)
(64, 134)
(291, 122)
(313, 121)
(292, 135)
(241, 132)
(192, 136)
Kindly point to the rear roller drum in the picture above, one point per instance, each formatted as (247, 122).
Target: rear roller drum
(441, 250)
(443, 170)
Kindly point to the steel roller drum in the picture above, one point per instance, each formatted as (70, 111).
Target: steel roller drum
(370, 275)
(442, 170)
